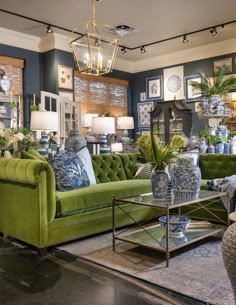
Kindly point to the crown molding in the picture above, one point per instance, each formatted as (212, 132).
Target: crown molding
(197, 53)
(61, 42)
(16, 39)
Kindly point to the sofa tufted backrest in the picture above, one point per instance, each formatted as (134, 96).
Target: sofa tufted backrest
(129, 162)
(108, 168)
(215, 166)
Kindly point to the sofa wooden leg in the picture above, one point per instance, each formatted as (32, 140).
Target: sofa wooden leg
(42, 251)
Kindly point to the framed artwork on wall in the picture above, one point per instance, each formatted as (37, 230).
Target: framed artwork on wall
(11, 117)
(191, 94)
(226, 62)
(143, 96)
(65, 77)
(154, 88)
(144, 110)
(173, 83)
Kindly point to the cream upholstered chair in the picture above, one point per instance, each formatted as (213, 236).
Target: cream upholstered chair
(229, 254)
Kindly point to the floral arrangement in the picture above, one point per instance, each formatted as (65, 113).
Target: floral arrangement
(19, 140)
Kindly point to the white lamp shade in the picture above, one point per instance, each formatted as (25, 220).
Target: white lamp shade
(87, 119)
(125, 122)
(103, 125)
(116, 147)
(44, 120)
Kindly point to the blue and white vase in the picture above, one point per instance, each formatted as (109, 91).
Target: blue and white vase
(203, 147)
(44, 145)
(185, 179)
(227, 148)
(159, 179)
(219, 148)
(211, 149)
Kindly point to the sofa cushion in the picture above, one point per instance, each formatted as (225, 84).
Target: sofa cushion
(108, 168)
(86, 159)
(144, 171)
(98, 196)
(69, 171)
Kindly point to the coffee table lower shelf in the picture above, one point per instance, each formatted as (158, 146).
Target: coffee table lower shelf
(154, 237)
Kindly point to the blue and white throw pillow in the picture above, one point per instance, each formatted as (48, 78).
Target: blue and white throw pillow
(86, 159)
(69, 171)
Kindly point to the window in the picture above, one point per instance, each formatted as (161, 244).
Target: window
(101, 94)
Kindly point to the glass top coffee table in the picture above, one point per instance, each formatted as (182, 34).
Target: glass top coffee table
(157, 238)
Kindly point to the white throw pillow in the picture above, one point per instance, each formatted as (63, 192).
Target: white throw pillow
(86, 159)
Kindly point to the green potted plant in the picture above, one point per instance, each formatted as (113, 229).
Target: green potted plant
(212, 90)
(159, 155)
(219, 85)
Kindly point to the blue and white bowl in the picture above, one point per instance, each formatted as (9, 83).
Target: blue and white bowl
(177, 224)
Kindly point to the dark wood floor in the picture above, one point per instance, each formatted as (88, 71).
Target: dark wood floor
(62, 279)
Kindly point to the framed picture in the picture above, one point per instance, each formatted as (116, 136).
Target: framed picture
(144, 110)
(154, 88)
(11, 117)
(65, 77)
(143, 96)
(173, 83)
(190, 93)
(226, 62)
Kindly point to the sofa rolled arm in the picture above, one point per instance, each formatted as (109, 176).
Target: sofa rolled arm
(24, 171)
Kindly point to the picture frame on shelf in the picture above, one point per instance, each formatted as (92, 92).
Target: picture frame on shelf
(154, 88)
(144, 110)
(225, 62)
(190, 94)
(198, 106)
(65, 77)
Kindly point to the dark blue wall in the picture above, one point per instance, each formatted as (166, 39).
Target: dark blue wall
(138, 85)
(40, 73)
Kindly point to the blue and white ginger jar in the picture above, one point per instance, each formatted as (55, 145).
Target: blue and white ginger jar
(185, 179)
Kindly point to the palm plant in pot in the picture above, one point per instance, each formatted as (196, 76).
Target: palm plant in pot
(212, 89)
(159, 155)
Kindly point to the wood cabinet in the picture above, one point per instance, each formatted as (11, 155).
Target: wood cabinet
(169, 118)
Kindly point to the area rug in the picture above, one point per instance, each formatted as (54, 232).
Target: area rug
(196, 271)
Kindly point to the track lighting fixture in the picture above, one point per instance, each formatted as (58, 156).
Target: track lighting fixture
(49, 29)
(213, 31)
(142, 50)
(123, 50)
(98, 41)
(185, 40)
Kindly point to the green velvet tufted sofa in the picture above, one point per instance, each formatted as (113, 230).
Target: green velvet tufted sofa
(33, 211)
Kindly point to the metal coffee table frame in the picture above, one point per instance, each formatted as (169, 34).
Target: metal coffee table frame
(153, 236)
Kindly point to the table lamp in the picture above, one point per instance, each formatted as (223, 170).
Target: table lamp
(125, 122)
(43, 121)
(87, 122)
(103, 126)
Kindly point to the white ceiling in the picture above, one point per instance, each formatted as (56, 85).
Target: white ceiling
(154, 19)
